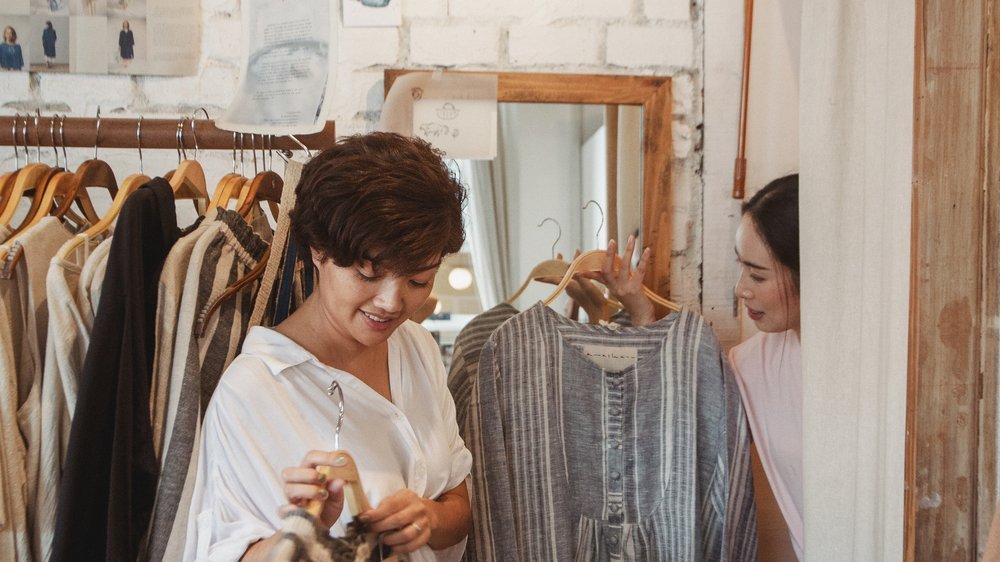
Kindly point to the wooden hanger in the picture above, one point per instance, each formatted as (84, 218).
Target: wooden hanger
(594, 261)
(265, 186)
(224, 190)
(27, 178)
(128, 187)
(544, 269)
(91, 173)
(6, 188)
(188, 180)
(97, 172)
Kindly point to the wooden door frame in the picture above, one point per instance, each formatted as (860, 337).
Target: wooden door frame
(954, 343)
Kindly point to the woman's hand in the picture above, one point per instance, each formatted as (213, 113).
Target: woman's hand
(304, 484)
(407, 519)
(625, 283)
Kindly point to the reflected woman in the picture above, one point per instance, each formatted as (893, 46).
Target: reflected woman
(126, 43)
(10, 52)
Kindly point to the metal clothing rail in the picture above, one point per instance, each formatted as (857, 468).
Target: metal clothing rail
(156, 133)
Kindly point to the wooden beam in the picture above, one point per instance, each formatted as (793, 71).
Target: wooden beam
(947, 289)
(991, 281)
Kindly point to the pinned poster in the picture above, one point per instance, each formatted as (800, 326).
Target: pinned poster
(285, 75)
(456, 113)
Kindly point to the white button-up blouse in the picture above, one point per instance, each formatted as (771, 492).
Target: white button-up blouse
(271, 407)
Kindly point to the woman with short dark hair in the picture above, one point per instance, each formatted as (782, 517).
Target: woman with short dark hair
(377, 213)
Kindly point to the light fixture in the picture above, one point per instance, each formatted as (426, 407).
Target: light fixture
(460, 278)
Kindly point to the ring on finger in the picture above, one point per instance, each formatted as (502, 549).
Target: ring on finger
(417, 527)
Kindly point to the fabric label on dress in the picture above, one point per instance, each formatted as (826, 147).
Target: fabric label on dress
(611, 358)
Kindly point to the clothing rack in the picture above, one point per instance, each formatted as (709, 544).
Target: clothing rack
(156, 133)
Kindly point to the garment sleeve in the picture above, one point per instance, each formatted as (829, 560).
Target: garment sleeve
(235, 491)
(430, 357)
(492, 535)
(724, 460)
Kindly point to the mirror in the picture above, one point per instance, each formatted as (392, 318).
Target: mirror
(602, 122)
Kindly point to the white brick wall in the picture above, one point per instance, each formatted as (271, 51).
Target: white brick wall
(667, 9)
(367, 46)
(534, 45)
(425, 9)
(596, 9)
(490, 9)
(454, 45)
(648, 37)
(636, 45)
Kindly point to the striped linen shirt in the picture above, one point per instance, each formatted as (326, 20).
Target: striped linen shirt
(609, 443)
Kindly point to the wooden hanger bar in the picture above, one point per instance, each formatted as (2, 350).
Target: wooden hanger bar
(156, 133)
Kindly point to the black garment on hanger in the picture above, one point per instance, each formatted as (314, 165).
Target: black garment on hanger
(109, 481)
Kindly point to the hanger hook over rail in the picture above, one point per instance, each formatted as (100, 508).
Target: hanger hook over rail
(138, 142)
(62, 138)
(52, 135)
(97, 135)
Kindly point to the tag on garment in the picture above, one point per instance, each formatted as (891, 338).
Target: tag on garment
(611, 358)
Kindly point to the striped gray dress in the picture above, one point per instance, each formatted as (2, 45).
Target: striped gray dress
(609, 443)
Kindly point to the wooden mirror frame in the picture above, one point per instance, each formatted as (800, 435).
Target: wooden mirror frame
(653, 93)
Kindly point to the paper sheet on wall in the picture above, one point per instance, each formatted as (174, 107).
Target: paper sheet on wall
(456, 113)
(287, 46)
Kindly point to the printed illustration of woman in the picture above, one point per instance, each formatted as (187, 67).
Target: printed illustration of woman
(10, 52)
(49, 44)
(126, 42)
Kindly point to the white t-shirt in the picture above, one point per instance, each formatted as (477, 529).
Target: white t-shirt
(271, 407)
(768, 369)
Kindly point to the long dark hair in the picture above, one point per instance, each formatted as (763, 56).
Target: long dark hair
(774, 211)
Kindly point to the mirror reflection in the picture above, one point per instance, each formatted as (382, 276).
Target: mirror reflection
(560, 172)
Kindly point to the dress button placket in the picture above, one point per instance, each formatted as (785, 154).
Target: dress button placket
(615, 463)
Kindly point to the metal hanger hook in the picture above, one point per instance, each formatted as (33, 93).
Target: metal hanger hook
(195, 135)
(558, 236)
(138, 142)
(177, 139)
(97, 136)
(62, 138)
(234, 152)
(253, 151)
(38, 137)
(13, 135)
(52, 135)
(309, 153)
(601, 226)
(334, 388)
(24, 137)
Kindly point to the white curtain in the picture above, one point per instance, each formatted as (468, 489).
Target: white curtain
(489, 231)
(856, 133)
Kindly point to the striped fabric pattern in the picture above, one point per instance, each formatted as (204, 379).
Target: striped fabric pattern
(647, 460)
(465, 359)
(226, 250)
